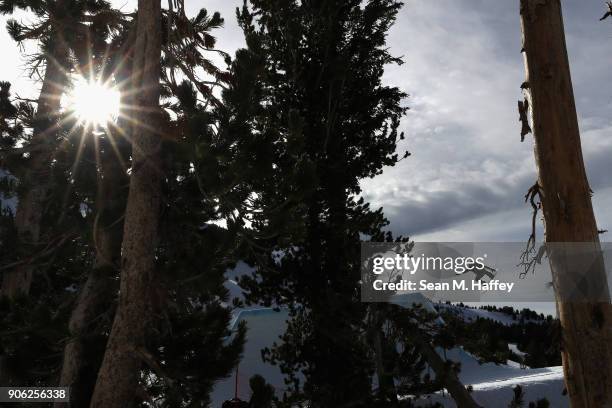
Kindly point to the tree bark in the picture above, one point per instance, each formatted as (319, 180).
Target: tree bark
(118, 377)
(445, 374)
(37, 183)
(566, 202)
(99, 289)
(386, 385)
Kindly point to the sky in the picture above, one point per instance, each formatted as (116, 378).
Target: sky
(468, 172)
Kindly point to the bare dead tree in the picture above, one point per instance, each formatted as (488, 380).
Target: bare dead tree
(565, 198)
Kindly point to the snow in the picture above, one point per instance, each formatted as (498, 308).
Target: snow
(492, 383)
(514, 348)
(265, 325)
(494, 387)
(264, 328)
(483, 375)
(469, 314)
(538, 375)
(408, 300)
(7, 202)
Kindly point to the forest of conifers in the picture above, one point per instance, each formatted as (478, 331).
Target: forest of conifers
(151, 163)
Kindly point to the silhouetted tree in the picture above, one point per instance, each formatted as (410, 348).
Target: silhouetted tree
(262, 393)
(325, 122)
(518, 397)
(60, 26)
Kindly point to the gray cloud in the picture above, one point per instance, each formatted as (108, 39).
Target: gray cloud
(469, 172)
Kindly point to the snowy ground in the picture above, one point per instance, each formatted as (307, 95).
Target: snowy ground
(492, 383)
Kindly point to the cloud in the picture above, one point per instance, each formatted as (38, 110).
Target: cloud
(469, 172)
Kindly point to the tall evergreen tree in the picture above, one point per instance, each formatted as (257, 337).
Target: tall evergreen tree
(33, 327)
(119, 373)
(183, 301)
(183, 42)
(59, 25)
(10, 130)
(327, 122)
(110, 64)
(36, 160)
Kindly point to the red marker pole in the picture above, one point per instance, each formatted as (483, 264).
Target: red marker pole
(236, 387)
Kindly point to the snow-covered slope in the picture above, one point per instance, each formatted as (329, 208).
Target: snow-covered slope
(264, 328)
(492, 383)
(471, 314)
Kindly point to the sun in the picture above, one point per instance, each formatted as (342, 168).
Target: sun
(93, 103)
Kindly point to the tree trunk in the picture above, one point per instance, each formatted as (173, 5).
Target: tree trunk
(78, 369)
(77, 366)
(118, 377)
(445, 374)
(37, 183)
(566, 202)
(386, 386)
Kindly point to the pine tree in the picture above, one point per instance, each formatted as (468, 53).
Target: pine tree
(40, 317)
(184, 303)
(10, 130)
(262, 394)
(65, 28)
(182, 40)
(417, 326)
(541, 403)
(59, 26)
(327, 122)
(82, 352)
(204, 175)
(126, 348)
(518, 398)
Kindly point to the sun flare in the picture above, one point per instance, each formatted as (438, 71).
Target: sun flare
(93, 103)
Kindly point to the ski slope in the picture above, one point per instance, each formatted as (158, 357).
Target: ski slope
(492, 384)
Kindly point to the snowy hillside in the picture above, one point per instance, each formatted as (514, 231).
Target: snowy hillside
(469, 314)
(492, 384)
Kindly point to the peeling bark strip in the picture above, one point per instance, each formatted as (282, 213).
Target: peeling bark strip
(118, 377)
(523, 108)
(566, 204)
